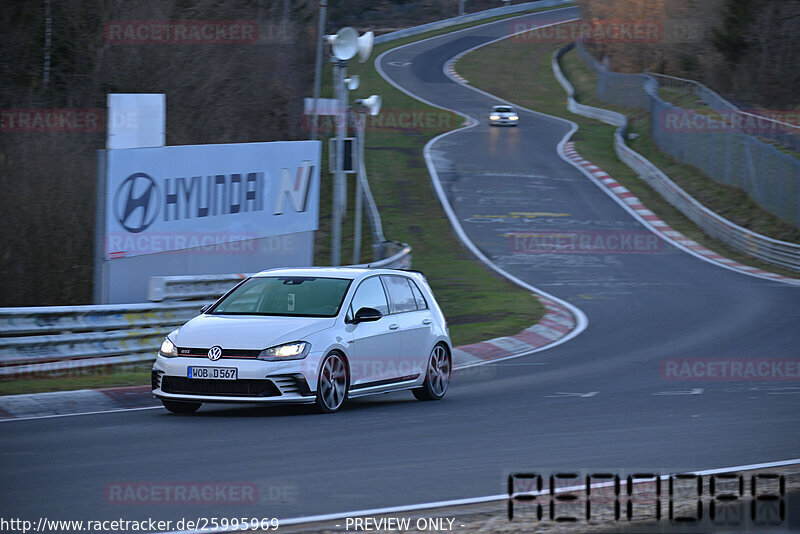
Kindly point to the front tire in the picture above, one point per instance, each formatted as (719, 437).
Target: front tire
(180, 406)
(437, 375)
(332, 383)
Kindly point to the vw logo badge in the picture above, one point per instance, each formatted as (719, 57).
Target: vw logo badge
(215, 353)
(136, 202)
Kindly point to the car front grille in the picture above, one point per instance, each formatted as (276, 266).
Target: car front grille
(229, 388)
(187, 352)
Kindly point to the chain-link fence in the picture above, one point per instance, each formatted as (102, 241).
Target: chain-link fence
(725, 146)
(782, 132)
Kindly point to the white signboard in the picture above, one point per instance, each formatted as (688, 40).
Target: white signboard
(325, 106)
(189, 197)
(136, 120)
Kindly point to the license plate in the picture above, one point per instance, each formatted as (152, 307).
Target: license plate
(213, 373)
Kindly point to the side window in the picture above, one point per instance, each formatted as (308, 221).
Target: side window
(370, 294)
(421, 304)
(400, 294)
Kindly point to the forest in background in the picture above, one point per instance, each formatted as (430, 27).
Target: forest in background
(746, 50)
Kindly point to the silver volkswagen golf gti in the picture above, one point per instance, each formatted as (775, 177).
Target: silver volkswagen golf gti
(315, 335)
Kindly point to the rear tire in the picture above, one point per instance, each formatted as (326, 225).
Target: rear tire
(437, 375)
(180, 406)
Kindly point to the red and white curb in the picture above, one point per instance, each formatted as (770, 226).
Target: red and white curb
(660, 226)
(556, 323)
(450, 68)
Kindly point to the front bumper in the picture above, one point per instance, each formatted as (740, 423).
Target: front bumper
(503, 122)
(257, 381)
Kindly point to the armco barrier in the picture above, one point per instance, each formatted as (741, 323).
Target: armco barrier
(54, 340)
(62, 340)
(212, 286)
(470, 17)
(759, 246)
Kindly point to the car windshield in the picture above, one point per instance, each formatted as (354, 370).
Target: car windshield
(293, 296)
(502, 109)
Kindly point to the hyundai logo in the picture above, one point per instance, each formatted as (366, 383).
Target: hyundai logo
(136, 202)
(215, 353)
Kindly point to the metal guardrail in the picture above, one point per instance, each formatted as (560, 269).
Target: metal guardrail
(187, 287)
(52, 340)
(214, 285)
(470, 17)
(759, 246)
(58, 340)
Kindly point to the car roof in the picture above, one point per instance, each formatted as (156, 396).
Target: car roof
(332, 272)
(503, 106)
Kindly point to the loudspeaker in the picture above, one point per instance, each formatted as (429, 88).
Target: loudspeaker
(345, 43)
(364, 46)
(352, 82)
(373, 104)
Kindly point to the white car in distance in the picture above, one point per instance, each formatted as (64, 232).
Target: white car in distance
(503, 116)
(314, 335)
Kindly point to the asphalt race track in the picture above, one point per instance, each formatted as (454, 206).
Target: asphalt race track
(599, 401)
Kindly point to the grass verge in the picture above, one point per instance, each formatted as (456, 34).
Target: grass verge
(536, 88)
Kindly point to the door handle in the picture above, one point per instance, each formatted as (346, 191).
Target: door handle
(393, 327)
(426, 321)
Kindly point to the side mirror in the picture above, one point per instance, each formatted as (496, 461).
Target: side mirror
(205, 308)
(365, 315)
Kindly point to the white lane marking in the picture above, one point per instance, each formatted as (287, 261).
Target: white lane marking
(79, 413)
(479, 500)
(581, 320)
(562, 394)
(778, 390)
(693, 391)
(562, 154)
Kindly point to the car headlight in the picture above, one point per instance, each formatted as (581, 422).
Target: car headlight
(297, 350)
(494, 117)
(513, 117)
(168, 349)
